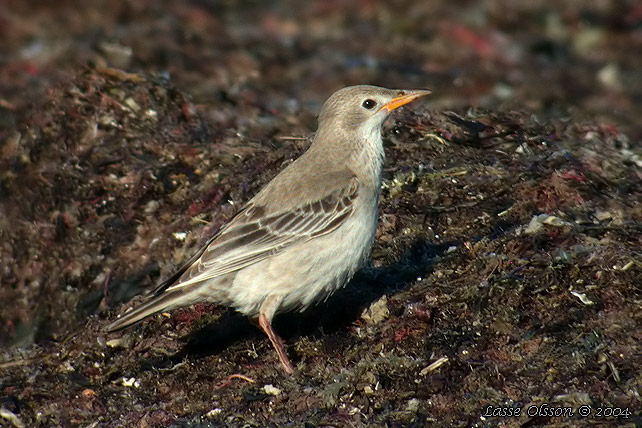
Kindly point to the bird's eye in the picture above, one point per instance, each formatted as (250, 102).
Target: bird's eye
(369, 104)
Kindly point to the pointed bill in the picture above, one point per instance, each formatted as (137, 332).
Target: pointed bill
(404, 98)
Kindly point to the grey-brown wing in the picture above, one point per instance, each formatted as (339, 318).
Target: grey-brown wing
(185, 266)
(252, 235)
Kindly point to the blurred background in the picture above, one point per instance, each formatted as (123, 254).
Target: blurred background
(557, 58)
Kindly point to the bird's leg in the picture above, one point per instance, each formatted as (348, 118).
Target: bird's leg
(277, 342)
(267, 311)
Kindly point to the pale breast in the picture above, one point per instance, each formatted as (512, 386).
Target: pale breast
(308, 272)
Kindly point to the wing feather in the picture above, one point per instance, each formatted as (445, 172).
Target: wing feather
(253, 235)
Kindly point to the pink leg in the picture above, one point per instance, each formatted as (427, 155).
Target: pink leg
(277, 342)
(266, 313)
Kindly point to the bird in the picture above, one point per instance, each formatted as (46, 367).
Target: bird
(303, 235)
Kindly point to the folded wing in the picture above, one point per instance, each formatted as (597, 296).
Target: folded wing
(253, 235)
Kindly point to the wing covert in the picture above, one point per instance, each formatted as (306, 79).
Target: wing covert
(253, 235)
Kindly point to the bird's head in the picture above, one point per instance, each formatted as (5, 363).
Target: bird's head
(363, 109)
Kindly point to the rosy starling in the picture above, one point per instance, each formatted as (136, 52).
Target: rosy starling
(304, 234)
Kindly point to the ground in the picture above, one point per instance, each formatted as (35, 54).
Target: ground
(504, 288)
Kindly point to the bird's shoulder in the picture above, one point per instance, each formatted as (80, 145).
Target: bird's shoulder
(301, 183)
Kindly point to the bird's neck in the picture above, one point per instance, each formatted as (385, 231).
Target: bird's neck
(361, 153)
(368, 158)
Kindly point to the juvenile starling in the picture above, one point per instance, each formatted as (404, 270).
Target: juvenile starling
(305, 233)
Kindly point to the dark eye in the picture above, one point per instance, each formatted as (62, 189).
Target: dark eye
(369, 104)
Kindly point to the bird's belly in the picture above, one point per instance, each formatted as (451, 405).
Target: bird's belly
(309, 271)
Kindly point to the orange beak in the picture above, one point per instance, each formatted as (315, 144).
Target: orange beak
(404, 98)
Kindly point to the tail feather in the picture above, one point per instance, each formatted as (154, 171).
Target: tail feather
(158, 303)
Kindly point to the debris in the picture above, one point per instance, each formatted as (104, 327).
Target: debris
(377, 311)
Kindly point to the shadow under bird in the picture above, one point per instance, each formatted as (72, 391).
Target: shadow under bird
(305, 233)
